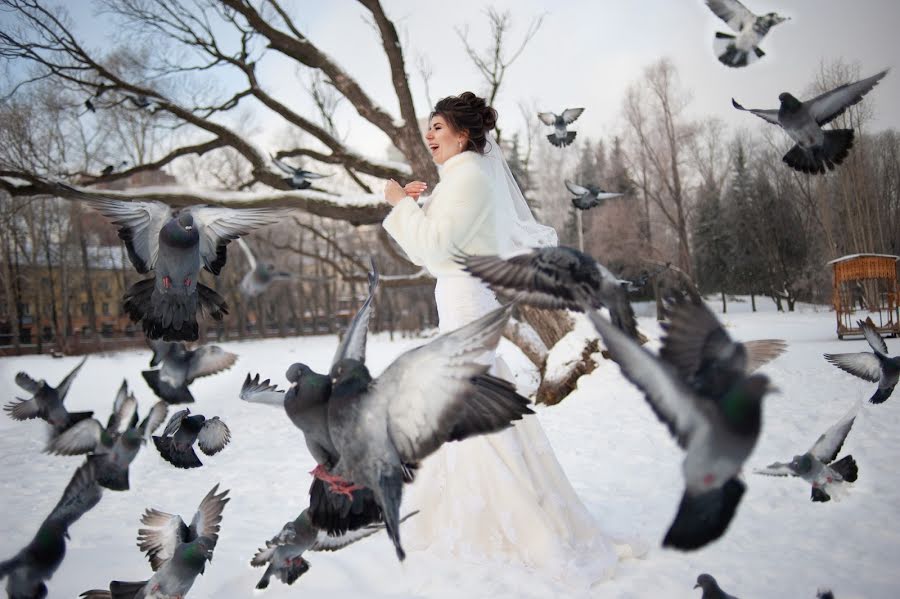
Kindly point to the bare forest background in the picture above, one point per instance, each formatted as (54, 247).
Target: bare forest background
(150, 117)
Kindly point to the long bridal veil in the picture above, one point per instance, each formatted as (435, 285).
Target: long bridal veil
(517, 228)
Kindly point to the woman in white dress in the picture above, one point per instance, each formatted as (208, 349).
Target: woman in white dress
(502, 496)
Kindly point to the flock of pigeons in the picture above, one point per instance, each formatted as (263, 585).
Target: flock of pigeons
(369, 435)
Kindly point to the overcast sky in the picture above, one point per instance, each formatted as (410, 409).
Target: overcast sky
(586, 54)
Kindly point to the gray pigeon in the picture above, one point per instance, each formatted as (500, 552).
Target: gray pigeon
(877, 367)
(28, 570)
(46, 402)
(306, 404)
(556, 278)
(175, 445)
(297, 178)
(816, 150)
(283, 554)
(709, 403)
(176, 244)
(751, 29)
(817, 466)
(181, 366)
(589, 196)
(260, 276)
(177, 552)
(428, 396)
(711, 588)
(561, 137)
(114, 446)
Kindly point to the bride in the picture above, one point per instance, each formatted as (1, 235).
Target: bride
(502, 496)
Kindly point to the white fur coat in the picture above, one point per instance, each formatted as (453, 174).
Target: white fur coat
(458, 215)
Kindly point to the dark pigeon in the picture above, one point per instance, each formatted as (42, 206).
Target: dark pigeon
(46, 402)
(140, 101)
(176, 245)
(589, 196)
(710, 404)
(261, 276)
(90, 105)
(28, 570)
(181, 367)
(112, 448)
(306, 404)
(297, 177)
(177, 552)
(817, 151)
(711, 588)
(556, 278)
(877, 366)
(561, 137)
(283, 554)
(818, 466)
(743, 49)
(378, 425)
(175, 445)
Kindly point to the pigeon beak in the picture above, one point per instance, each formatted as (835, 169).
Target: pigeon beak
(188, 227)
(770, 388)
(696, 586)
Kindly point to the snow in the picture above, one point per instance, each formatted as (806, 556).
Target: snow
(852, 256)
(618, 456)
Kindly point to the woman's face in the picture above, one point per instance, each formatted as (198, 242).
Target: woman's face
(443, 141)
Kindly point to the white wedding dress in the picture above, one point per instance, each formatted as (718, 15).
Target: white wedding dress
(500, 497)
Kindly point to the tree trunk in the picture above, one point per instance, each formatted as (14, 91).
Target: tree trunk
(724, 305)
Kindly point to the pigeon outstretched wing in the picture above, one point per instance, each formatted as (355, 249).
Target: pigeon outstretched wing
(828, 445)
(732, 12)
(570, 115)
(139, 224)
(576, 189)
(826, 107)
(219, 226)
(770, 116)
(548, 118)
(214, 436)
(876, 341)
(353, 345)
(208, 360)
(864, 365)
(256, 391)
(82, 437)
(443, 371)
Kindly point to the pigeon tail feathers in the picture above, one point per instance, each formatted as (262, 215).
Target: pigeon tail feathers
(704, 518)
(169, 394)
(337, 514)
(821, 159)
(820, 496)
(732, 56)
(847, 468)
(180, 459)
(881, 395)
(561, 143)
(391, 492)
(211, 302)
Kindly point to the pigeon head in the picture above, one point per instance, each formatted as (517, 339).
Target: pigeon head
(801, 464)
(132, 438)
(195, 554)
(706, 582)
(350, 372)
(296, 371)
(193, 423)
(789, 102)
(773, 19)
(180, 231)
(742, 404)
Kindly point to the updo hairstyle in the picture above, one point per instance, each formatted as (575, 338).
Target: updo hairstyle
(467, 112)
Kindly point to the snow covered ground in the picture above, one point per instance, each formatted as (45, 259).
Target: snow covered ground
(620, 459)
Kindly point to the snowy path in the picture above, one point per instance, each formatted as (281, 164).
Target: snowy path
(619, 457)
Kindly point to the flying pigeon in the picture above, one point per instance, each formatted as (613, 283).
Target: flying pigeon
(177, 552)
(283, 554)
(589, 196)
(711, 588)
(176, 443)
(90, 105)
(28, 570)
(751, 29)
(260, 276)
(306, 404)
(176, 244)
(816, 150)
(709, 403)
(556, 278)
(140, 101)
(877, 366)
(181, 366)
(297, 178)
(817, 466)
(428, 396)
(46, 402)
(560, 136)
(114, 446)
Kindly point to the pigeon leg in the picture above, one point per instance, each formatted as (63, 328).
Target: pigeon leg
(336, 484)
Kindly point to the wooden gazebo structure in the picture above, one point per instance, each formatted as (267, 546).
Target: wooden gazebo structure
(868, 281)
